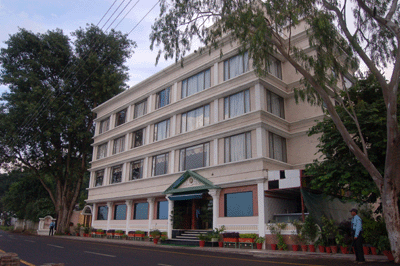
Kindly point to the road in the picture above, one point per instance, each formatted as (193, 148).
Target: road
(36, 250)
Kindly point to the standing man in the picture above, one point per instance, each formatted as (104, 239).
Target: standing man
(356, 230)
(52, 225)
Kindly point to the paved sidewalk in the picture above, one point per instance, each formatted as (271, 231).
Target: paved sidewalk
(255, 252)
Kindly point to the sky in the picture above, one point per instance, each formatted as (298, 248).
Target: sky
(40, 16)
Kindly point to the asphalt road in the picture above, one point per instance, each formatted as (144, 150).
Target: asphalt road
(36, 250)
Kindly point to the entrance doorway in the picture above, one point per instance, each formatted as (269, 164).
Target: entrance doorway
(193, 213)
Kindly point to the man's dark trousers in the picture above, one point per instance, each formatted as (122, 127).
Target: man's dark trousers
(358, 248)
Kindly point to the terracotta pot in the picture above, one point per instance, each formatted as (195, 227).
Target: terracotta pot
(259, 245)
(221, 244)
(366, 250)
(246, 240)
(311, 248)
(344, 250)
(334, 249)
(295, 247)
(155, 240)
(304, 248)
(328, 249)
(388, 254)
(273, 246)
(202, 243)
(230, 239)
(321, 249)
(373, 251)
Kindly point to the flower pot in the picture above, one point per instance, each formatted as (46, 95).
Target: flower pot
(311, 248)
(328, 249)
(229, 239)
(259, 245)
(202, 243)
(295, 247)
(321, 249)
(221, 244)
(366, 250)
(334, 249)
(344, 250)
(388, 254)
(155, 240)
(304, 247)
(246, 240)
(373, 251)
(273, 246)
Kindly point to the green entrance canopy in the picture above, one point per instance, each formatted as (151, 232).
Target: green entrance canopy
(186, 197)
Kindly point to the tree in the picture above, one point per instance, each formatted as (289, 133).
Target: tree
(46, 123)
(339, 170)
(265, 27)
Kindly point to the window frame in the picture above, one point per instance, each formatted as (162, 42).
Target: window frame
(114, 179)
(141, 161)
(136, 209)
(281, 100)
(226, 204)
(184, 118)
(121, 145)
(98, 156)
(136, 114)
(165, 171)
(247, 146)
(156, 129)
(246, 104)
(134, 134)
(105, 207)
(107, 126)
(206, 83)
(118, 115)
(277, 64)
(96, 177)
(271, 143)
(205, 156)
(227, 64)
(158, 210)
(158, 97)
(115, 212)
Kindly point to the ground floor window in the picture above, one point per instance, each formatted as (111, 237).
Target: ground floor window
(141, 211)
(239, 204)
(102, 213)
(162, 210)
(120, 212)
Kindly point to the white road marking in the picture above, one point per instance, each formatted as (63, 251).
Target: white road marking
(55, 246)
(100, 254)
(30, 241)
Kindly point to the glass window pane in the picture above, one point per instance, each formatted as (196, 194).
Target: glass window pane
(238, 148)
(183, 123)
(207, 114)
(207, 79)
(184, 88)
(200, 81)
(162, 130)
(141, 211)
(162, 212)
(116, 172)
(140, 109)
(99, 177)
(136, 170)
(120, 117)
(239, 204)
(119, 145)
(102, 151)
(138, 139)
(160, 164)
(102, 213)
(120, 212)
(104, 125)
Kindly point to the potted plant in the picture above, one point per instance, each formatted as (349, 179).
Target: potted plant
(230, 237)
(298, 237)
(203, 239)
(93, 232)
(340, 242)
(310, 231)
(77, 229)
(217, 234)
(118, 234)
(384, 246)
(247, 239)
(155, 234)
(276, 229)
(259, 241)
(100, 232)
(329, 232)
(139, 235)
(321, 244)
(86, 230)
(110, 233)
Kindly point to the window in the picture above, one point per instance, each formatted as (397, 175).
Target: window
(99, 177)
(277, 147)
(119, 145)
(196, 118)
(137, 138)
(196, 83)
(136, 170)
(238, 147)
(102, 212)
(161, 130)
(102, 151)
(275, 104)
(239, 204)
(236, 65)
(141, 211)
(162, 210)
(140, 109)
(163, 98)
(237, 104)
(120, 117)
(275, 67)
(194, 157)
(120, 212)
(104, 125)
(160, 164)
(116, 174)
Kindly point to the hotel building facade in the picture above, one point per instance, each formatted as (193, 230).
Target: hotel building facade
(201, 146)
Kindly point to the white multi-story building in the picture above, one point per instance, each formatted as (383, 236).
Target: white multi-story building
(201, 146)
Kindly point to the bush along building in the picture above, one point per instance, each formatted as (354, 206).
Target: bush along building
(201, 146)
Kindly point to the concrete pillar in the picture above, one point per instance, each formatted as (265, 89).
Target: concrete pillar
(215, 195)
(261, 209)
(110, 205)
(170, 218)
(151, 211)
(94, 212)
(128, 214)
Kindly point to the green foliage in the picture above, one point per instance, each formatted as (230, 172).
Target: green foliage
(373, 227)
(155, 233)
(276, 229)
(310, 230)
(260, 239)
(46, 122)
(205, 237)
(248, 235)
(329, 231)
